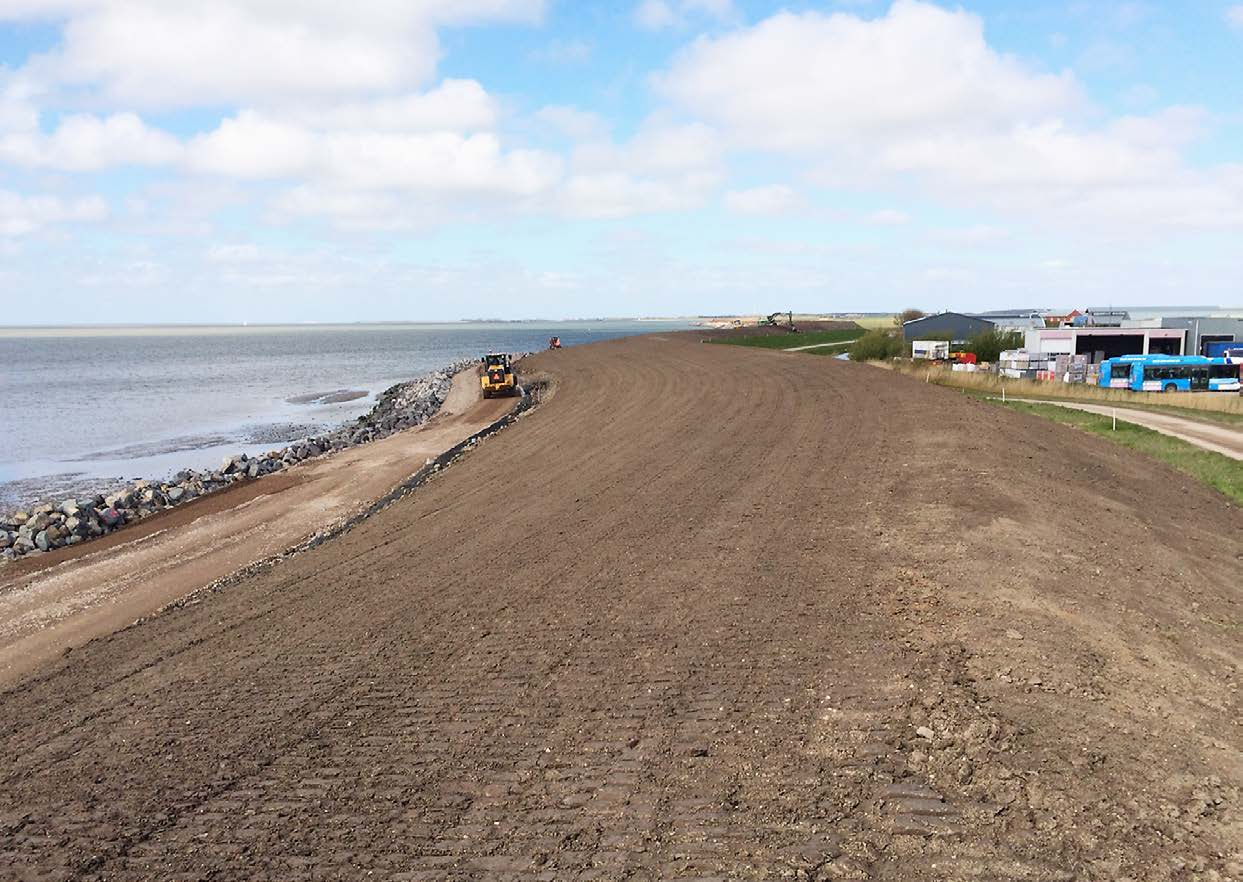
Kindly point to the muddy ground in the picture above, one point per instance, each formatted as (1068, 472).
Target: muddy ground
(708, 613)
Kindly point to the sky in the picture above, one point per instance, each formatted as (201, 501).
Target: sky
(312, 160)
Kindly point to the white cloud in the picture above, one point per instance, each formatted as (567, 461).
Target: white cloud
(718, 9)
(946, 274)
(580, 125)
(21, 215)
(610, 194)
(812, 81)
(152, 53)
(254, 146)
(89, 143)
(918, 97)
(454, 106)
(773, 199)
(251, 145)
(654, 15)
(664, 167)
(1234, 16)
(657, 148)
(979, 234)
(439, 162)
(889, 217)
(17, 110)
(233, 253)
(346, 208)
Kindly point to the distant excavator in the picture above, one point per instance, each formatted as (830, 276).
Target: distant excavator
(770, 321)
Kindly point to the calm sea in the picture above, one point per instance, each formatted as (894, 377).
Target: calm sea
(80, 407)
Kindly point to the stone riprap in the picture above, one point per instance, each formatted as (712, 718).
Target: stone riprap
(49, 526)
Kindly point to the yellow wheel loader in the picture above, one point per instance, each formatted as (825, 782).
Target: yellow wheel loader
(498, 376)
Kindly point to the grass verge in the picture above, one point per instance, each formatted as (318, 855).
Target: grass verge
(786, 341)
(1193, 405)
(1220, 472)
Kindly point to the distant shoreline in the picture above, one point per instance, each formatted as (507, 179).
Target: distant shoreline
(173, 328)
(399, 323)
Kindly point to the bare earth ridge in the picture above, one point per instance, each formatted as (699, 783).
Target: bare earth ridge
(708, 613)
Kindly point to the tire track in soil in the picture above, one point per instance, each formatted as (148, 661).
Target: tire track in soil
(681, 623)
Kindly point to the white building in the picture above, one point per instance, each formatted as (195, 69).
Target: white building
(1099, 344)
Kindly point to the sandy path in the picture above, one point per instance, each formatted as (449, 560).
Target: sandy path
(840, 345)
(1208, 436)
(708, 612)
(59, 601)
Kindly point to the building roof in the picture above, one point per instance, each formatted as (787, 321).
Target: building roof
(946, 314)
(1117, 313)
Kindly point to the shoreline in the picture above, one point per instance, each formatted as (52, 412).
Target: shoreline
(107, 506)
(65, 598)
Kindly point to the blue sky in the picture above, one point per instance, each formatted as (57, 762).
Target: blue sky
(273, 160)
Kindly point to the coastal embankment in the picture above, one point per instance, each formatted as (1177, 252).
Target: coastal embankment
(707, 612)
(49, 526)
(147, 402)
(53, 601)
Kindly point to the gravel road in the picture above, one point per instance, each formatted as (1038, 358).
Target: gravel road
(1217, 437)
(708, 613)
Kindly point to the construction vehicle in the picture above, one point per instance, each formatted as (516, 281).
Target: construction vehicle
(498, 376)
(770, 321)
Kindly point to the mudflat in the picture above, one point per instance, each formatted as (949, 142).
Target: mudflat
(708, 612)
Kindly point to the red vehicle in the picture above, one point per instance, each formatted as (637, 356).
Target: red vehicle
(963, 357)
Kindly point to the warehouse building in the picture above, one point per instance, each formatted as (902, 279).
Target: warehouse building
(1105, 318)
(1098, 344)
(956, 327)
(1203, 331)
(1013, 319)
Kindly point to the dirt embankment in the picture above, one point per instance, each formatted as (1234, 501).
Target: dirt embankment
(62, 599)
(710, 612)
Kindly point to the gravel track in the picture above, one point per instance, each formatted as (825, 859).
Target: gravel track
(1218, 438)
(707, 613)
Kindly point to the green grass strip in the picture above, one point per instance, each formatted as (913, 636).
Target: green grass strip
(1220, 472)
(1204, 416)
(789, 341)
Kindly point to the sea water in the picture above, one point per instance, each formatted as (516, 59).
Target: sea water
(81, 407)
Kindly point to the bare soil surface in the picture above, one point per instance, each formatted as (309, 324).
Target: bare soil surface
(62, 599)
(707, 613)
(780, 330)
(1209, 436)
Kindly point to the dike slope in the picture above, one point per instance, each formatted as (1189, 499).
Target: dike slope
(57, 601)
(709, 612)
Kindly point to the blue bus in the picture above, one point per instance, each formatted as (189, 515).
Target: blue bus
(1171, 373)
